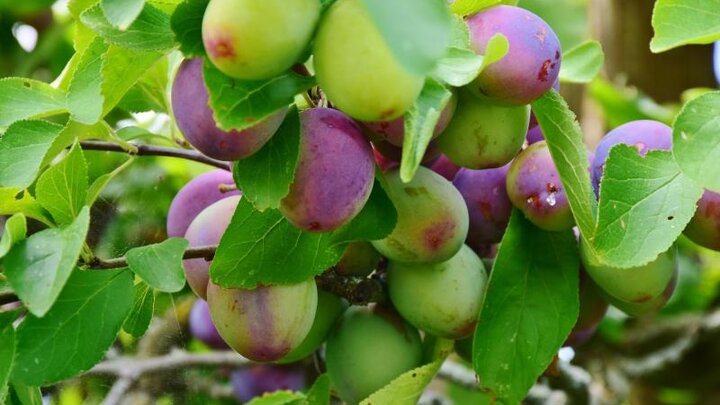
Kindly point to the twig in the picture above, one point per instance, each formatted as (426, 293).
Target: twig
(199, 252)
(153, 150)
(118, 391)
(458, 374)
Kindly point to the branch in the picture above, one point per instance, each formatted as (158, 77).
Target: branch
(200, 252)
(153, 150)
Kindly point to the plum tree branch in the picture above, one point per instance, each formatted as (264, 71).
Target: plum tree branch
(154, 150)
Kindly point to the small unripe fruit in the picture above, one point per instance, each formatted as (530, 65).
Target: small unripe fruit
(360, 259)
(356, 68)
(483, 134)
(368, 349)
(704, 227)
(202, 328)
(206, 230)
(256, 40)
(266, 323)
(650, 306)
(432, 221)
(442, 299)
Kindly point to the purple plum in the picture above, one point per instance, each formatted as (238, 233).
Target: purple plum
(255, 381)
(202, 327)
(195, 119)
(593, 307)
(488, 204)
(532, 63)
(205, 230)
(534, 135)
(445, 167)
(334, 174)
(644, 135)
(704, 227)
(194, 197)
(533, 185)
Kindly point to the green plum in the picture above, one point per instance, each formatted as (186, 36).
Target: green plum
(482, 134)
(266, 323)
(256, 40)
(432, 219)
(367, 349)
(442, 299)
(356, 68)
(360, 259)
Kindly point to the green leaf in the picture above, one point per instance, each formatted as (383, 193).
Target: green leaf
(186, 22)
(77, 331)
(22, 98)
(16, 200)
(25, 395)
(467, 7)
(417, 32)
(123, 69)
(39, 266)
(408, 387)
(279, 398)
(565, 141)
(682, 22)
(319, 393)
(160, 265)
(141, 314)
(7, 355)
(696, 140)
(149, 32)
(149, 93)
(531, 306)
(15, 231)
(62, 189)
(645, 203)
(122, 13)
(23, 148)
(265, 177)
(420, 121)
(375, 221)
(459, 67)
(496, 49)
(84, 98)
(240, 104)
(101, 182)
(264, 248)
(582, 63)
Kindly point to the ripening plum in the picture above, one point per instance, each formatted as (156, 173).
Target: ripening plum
(487, 202)
(334, 174)
(592, 310)
(533, 185)
(445, 167)
(394, 131)
(650, 306)
(483, 134)
(256, 40)
(534, 135)
(202, 327)
(393, 153)
(635, 285)
(205, 230)
(704, 227)
(532, 63)
(356, 68)
(442, 299)
(194, 197)
(266, 323)
(367, 349)
(258, 380)
(330, 307)
(644, 135)
(360, 259)
(432, 221)
(194, 118)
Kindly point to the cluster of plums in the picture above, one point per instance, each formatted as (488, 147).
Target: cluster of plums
(488, 155)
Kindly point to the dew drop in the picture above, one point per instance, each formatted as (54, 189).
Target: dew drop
(551, 199)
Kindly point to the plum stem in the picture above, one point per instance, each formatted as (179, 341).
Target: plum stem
(153, 150)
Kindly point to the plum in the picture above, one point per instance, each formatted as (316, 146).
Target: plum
(592, 310)
(194, 197)
(392, 153)
(487, 202)
(257, 380)
(334, 174)
(267, 322)
(532, 64)
(356, 68)
(330, 307)
(533, 185)
(202, 327)
(360, 259)
(650, 306)
(256, 40)
(442, 299)
(194, 118)
(704, 227)
(432, 221)
(394, 131)
(483, 134)
(368, 348)
(444, 167)
(534, 135)
(644, 135)
(205, 230)
(634, 285)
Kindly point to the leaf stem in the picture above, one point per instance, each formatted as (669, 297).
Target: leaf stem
(153, 150)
